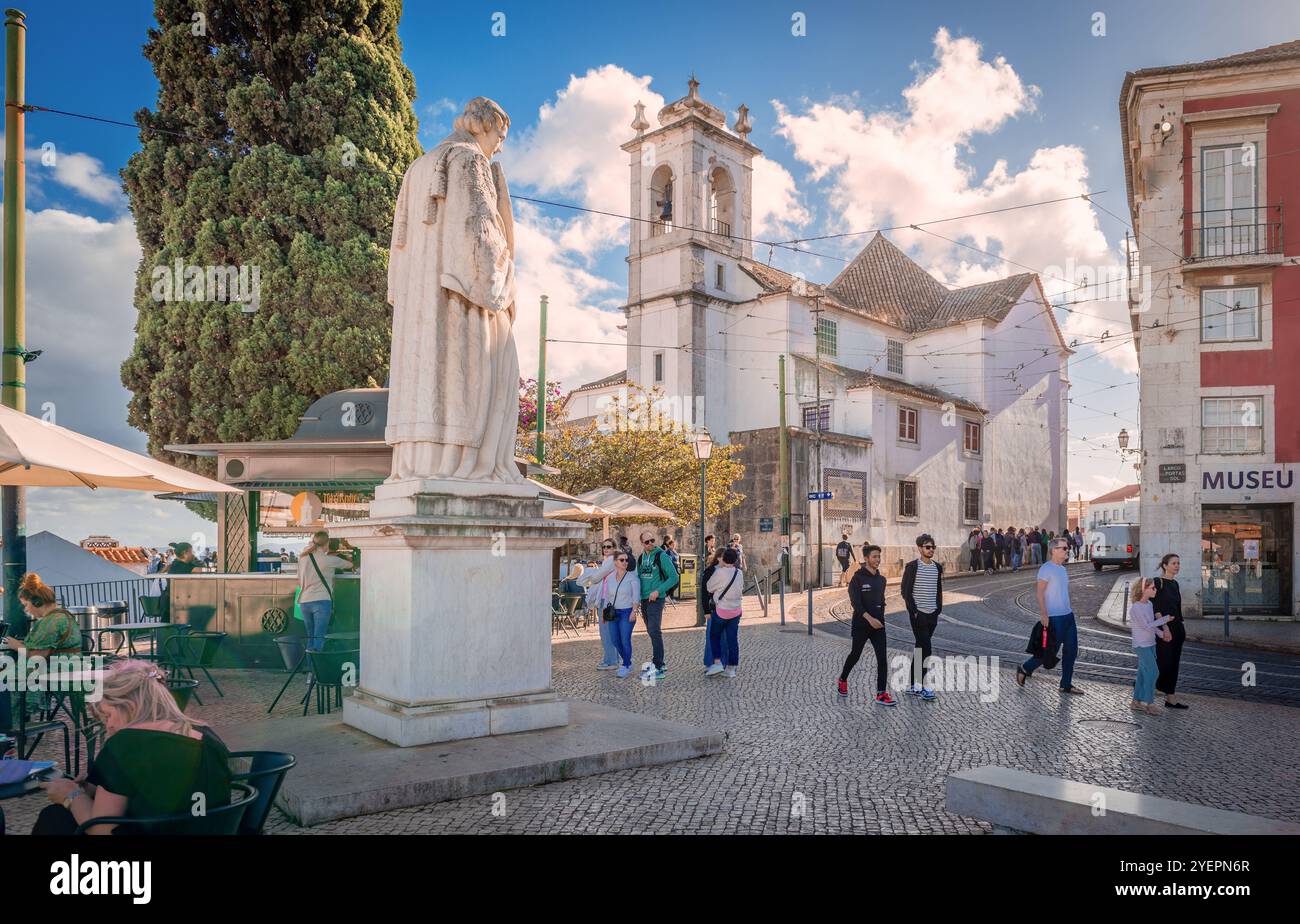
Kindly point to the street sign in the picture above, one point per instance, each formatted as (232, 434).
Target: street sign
(764, 524)
(819, 495)
(1173, 473)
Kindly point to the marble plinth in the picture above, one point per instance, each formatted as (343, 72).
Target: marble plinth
(455, 614)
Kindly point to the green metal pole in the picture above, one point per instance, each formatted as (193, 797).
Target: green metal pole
(699, 558)
(13, 513)
(541, 386)
(783, 442)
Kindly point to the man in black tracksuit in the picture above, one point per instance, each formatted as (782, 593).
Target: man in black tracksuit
(867, 594)
(923, 594)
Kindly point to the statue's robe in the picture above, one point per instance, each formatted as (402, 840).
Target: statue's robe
(453, 404)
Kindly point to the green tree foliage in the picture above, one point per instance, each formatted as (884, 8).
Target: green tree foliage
(279, 141)
(646, 453)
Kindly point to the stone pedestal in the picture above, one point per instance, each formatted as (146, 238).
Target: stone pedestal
(455, 612)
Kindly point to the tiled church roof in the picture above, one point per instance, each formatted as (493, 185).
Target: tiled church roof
(884, 284)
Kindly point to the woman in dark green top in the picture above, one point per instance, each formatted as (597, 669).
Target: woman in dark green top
(155, 760)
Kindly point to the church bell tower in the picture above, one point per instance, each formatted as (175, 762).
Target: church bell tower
(691, 182)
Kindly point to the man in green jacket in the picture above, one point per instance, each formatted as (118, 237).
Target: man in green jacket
(658, 575)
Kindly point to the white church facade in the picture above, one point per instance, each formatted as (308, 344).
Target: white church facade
(940, 409)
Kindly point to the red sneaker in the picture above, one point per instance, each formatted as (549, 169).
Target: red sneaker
(884, 699)
(843, 687)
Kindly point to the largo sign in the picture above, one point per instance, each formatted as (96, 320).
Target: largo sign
(1248, 479)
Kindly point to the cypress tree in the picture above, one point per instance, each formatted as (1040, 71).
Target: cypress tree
(278, 144)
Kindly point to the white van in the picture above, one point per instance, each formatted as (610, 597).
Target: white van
(1114, 544)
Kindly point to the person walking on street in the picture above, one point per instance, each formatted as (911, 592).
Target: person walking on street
(988, 551)
(923, 596)
(740, 551)
(1017, 544)
(1043, 543)
(1169, 647)
(624, 594)
(1145, 621)
(973, 542)
(1054, 605)
(670, 546)
(710, 607)
(867, 594)
(844, 555)
(316, 567)
(725, 587)
(657, 575)
(600, 590)
(1031, 541)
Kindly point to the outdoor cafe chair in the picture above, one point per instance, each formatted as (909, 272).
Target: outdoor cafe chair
(181, 689)
(564, 616)
(186, 651)
(327, 675)
(223, 819)
(152, 608)
(266, 771)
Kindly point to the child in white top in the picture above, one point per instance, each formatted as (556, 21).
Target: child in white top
(1145, 622)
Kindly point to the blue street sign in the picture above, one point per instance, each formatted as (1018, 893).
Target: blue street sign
(765, 524)
(819, 495)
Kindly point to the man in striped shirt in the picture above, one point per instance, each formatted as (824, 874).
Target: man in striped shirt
(923, 594)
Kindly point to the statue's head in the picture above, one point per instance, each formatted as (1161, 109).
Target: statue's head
(486, 121)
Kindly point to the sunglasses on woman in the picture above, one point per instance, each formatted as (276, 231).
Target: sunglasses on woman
(622, 558)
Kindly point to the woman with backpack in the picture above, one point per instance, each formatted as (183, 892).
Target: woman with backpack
(726, 587)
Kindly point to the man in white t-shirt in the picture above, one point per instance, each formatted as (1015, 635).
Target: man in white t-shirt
(316, 567)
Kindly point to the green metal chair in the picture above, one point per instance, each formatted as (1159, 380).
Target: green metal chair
(266, 771)
(188, 651)
(564, 616)
(224, 819)
(329, 670)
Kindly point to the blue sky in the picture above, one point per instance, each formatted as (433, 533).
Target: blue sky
(879, 114)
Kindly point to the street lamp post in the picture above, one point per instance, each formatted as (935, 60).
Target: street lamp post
(703, 446)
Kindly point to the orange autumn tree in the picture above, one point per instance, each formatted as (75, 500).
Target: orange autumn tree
(640, 446)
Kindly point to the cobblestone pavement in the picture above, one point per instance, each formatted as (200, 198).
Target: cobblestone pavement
(993, 615)
(798, 759)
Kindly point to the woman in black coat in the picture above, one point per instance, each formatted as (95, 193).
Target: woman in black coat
(1168, 601)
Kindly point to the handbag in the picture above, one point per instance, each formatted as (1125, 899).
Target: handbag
(607, 612)
(714, 598)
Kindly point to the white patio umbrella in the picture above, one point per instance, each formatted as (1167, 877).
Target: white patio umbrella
(612, 504)
(36, 453)
(555, 502)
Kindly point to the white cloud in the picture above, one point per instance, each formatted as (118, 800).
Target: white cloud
(778, 212)
(572, 155)
(891, 167)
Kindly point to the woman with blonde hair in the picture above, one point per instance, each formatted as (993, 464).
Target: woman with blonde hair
(1145, 621)
(155, 759)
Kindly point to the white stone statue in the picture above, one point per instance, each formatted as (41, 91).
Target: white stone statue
(453, 404)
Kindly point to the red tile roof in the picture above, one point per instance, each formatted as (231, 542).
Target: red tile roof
(1128, 492)
(123, 556)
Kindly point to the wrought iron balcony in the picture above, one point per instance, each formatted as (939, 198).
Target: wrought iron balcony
(1245, 232)
(722, 227)
(660, 226)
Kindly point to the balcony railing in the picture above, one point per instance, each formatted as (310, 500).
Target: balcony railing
(660, 227)
(722, 227)
(1245, 232)
(97, 592)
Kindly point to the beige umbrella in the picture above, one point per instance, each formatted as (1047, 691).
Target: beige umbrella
(36, 453)
(612, 504)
